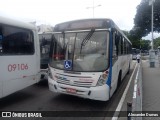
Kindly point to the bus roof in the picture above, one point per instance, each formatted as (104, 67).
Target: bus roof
(84, 24)
(16, 23)
(96, 23)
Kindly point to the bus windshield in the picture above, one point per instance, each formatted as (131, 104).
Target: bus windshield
(86, 50)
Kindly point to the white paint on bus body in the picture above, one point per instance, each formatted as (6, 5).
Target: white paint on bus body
(20, 65)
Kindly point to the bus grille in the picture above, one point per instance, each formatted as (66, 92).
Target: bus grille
(76, 83)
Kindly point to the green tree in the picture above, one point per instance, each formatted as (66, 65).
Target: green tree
(143, 18)
(142, 23)
(145, 44)
(134, 38)
(156, 42)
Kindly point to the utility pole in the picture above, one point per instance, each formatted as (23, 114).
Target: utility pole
(152, 52)
(93, 7)
(152, 23)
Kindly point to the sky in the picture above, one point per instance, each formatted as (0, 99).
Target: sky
(51, 12)
(56, 11)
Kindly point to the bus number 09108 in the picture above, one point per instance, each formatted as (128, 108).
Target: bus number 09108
(14, 67)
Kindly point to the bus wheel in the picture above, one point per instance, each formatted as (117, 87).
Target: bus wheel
(128, 70)
(119, 79)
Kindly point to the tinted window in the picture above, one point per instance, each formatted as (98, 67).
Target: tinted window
(16, 41)
(86, 53)
(124, 47)
(45, 41)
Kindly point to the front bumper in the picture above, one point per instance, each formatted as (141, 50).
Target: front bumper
(96, 93)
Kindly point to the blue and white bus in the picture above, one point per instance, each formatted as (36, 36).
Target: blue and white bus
(88, 58)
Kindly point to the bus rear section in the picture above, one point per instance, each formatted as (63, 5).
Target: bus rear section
(84, 59)
(134, 54)
(45, 42)
(19, 56)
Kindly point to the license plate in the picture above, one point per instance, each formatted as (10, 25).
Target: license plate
(70, 90)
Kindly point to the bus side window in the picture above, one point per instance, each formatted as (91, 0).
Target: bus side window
(16, 41)
(123, 46)
(1, 39)
(117, 43)
(120, 46)
(114, 54)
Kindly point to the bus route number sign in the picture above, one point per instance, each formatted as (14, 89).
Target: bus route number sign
(17, 67)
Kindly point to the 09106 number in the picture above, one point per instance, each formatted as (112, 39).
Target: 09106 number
(14, 67)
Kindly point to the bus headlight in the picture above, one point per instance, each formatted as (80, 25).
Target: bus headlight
(102, 79)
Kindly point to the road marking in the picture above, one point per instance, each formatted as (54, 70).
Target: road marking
(115, 117)
(135, 85)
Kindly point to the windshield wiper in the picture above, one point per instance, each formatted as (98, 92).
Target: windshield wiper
(67, 51)
(85, 40)
(88, 36)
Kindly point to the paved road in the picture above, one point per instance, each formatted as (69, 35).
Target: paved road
(39, 98)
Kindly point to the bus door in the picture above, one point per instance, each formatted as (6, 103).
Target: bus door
(0, 87)
(45, 41)
(17, 59)
(0, 62)
(114, 63)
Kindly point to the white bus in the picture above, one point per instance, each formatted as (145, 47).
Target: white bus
(19, 56)
(89, 58)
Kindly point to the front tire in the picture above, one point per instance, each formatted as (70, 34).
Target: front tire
(128, 70)
(119, 81)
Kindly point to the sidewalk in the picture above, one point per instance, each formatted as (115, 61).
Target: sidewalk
(151, 87)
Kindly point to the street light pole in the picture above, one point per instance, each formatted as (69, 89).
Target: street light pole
(152, 25)
(93, 7)
(152, 52)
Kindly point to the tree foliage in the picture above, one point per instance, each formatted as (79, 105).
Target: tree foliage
(133, 38)
(142, 22)
(145, 44)
(156, 43)
(142, 19)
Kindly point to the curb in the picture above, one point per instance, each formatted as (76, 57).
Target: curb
(137, 94)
